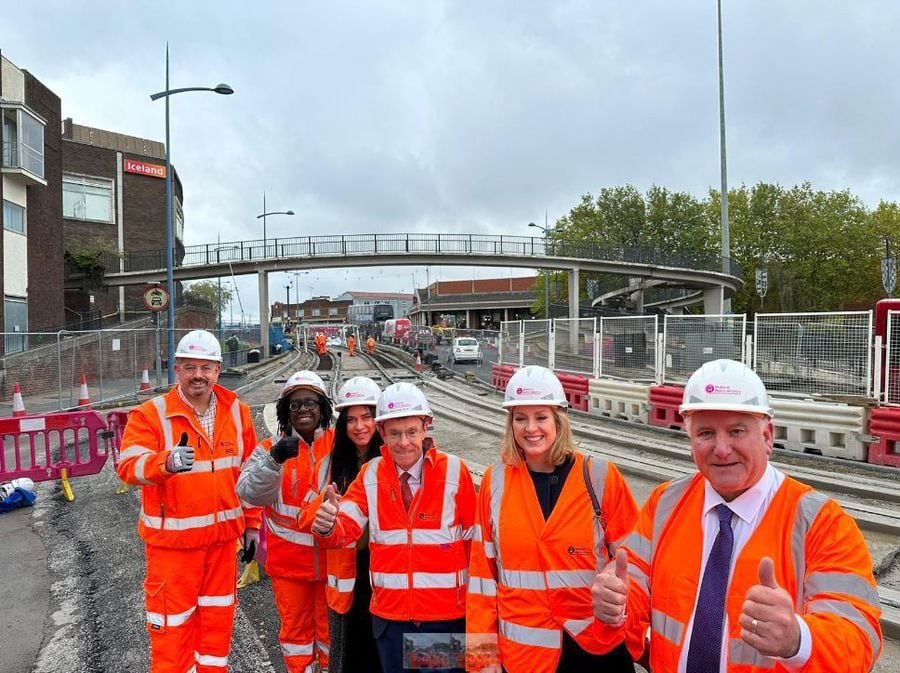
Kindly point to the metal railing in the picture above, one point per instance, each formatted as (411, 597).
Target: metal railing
(413, 243)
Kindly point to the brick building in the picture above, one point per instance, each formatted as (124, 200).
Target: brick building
(314, 310)
(32, 259)
(114, 199)
(477, 303)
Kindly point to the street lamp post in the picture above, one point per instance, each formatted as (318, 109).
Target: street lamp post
(726, 241)
(265, 214)
(546, 230)
(219, 249)
(225, 90)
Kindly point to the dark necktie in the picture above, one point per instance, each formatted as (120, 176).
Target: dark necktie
(405, 491)
(705, 650)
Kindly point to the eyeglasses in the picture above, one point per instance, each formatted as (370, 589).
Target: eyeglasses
(394, 437)
(309, 405)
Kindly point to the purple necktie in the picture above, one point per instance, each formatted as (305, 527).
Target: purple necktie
(405, 490)
(705, 650)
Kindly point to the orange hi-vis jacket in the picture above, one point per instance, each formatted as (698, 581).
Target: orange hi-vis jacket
(418, 559)
(530, 579)
(198, 508)
(821, 560)
(285, 491)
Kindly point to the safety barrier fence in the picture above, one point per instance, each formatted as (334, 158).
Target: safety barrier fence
(110, 363)
(63, 445)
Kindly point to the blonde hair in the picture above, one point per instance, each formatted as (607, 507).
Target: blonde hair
(563, 446)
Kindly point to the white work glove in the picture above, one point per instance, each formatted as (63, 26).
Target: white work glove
(250, 543)
(326, 515)
(181, 457)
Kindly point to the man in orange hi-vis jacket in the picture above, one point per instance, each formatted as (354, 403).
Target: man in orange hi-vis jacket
(185, 449)
(419, 504)
(740, 568)
(370, 345)
(351, 345)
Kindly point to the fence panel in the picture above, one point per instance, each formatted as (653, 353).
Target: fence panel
(573, 345)
(537, 342)
(628, 347)
(691, 340)
(508, 345)
(815, 353)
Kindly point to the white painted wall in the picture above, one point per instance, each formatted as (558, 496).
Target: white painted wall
(13, 81)
(15, 246)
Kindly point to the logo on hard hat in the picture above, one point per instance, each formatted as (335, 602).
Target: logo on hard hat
(528, 392)
(710, 387)
(721, 389)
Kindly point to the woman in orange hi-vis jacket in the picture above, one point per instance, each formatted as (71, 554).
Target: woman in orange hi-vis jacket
(540, 539)
(185, 449)
(284, 476)
(356, 442)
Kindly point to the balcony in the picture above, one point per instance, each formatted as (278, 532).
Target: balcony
(23, 145)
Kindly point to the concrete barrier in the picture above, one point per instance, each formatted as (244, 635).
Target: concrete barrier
(664, 403)
(618, 399)
(827, 428)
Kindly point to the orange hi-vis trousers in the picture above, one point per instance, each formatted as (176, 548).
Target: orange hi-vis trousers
(190, 596)
(303, 610)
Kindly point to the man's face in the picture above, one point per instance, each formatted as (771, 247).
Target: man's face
(404, 437)
(731, 449)
(196, 378)
(306, 414)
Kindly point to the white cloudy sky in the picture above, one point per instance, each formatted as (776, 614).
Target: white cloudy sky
(478, 116)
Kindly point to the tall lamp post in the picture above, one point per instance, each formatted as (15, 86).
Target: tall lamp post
(264, 214)
(219, 249)
(546, 231)
(726, 241)
(225, 90)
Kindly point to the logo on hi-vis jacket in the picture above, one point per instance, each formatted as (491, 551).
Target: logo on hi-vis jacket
(228, 448)
(579, 551)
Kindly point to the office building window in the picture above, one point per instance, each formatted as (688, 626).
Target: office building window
(87, 198)
(332, 311)
(13, 217)
(15, 314)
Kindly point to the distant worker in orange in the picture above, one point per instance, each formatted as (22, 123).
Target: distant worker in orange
(739, 567)
(370, 345)
(351, 345)
(284, 474)
(321, 344)
(191, 515)
(547, 519)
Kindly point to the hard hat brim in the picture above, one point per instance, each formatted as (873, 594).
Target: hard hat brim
(356, 403)
(535, 403)
(710, 406)
(303, 386)
(196, 356)
(403, 414)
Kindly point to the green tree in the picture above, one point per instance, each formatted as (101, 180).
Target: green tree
(208, 293)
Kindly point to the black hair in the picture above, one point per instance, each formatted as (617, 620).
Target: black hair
(344, 458)
(283, 413)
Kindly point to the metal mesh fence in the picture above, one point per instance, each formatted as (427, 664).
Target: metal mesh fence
(508, 342)
(627, 347)
(892, 359)
(573, 345)
(815, 353)
(537, 342)
(691, 340)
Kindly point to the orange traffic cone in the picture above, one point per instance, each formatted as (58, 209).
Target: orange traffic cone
(418, 362)
(18, 404)
(145, 381)
(84, 399)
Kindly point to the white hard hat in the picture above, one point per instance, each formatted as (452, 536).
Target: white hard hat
(7, 488)
(199, 344)
(303, 379)
(725, 385)
(400, 400)
(358, 390)
(536, 386)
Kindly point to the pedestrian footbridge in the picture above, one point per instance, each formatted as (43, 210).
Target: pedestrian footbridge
(701, 273)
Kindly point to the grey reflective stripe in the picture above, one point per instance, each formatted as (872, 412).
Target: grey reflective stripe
(483, 586)
(521, 579)
(296, 649)
(289, 511)
(134, 450)
(187, 523)
(570, 579)
(848, 612)
(598, 481)
(210, 660)
(217, 464)
(529, 635)
(294, 536)
(322, 476)
(498, 483)
(451, 486)
(139, 466)
(840, 583)
(638, 575)
(216, 601)
(476, 534)
(239, 429)
(160, 403)
(390, 537)
(668, 627)
(352, 510)
(370, 481)
(666, 505)
(176, 619)
(740, 652)
(576, 626)
(343, 585)
(640, 546)
(808, 509)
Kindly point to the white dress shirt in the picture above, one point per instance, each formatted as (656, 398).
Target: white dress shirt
(415, 474)
(748, 509)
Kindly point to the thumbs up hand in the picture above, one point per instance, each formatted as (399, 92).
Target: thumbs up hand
(326, 515)
(769, 624)
(609, 592)
(181, 457)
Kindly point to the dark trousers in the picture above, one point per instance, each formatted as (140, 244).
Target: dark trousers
(390, 636)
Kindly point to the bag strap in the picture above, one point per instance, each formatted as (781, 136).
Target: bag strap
(598, 510)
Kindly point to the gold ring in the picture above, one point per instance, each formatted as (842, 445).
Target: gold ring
(753, 625)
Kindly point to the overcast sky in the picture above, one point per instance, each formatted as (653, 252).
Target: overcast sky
(470, 117)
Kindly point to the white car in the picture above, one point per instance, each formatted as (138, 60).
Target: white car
(333, 341)
(465, 349)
